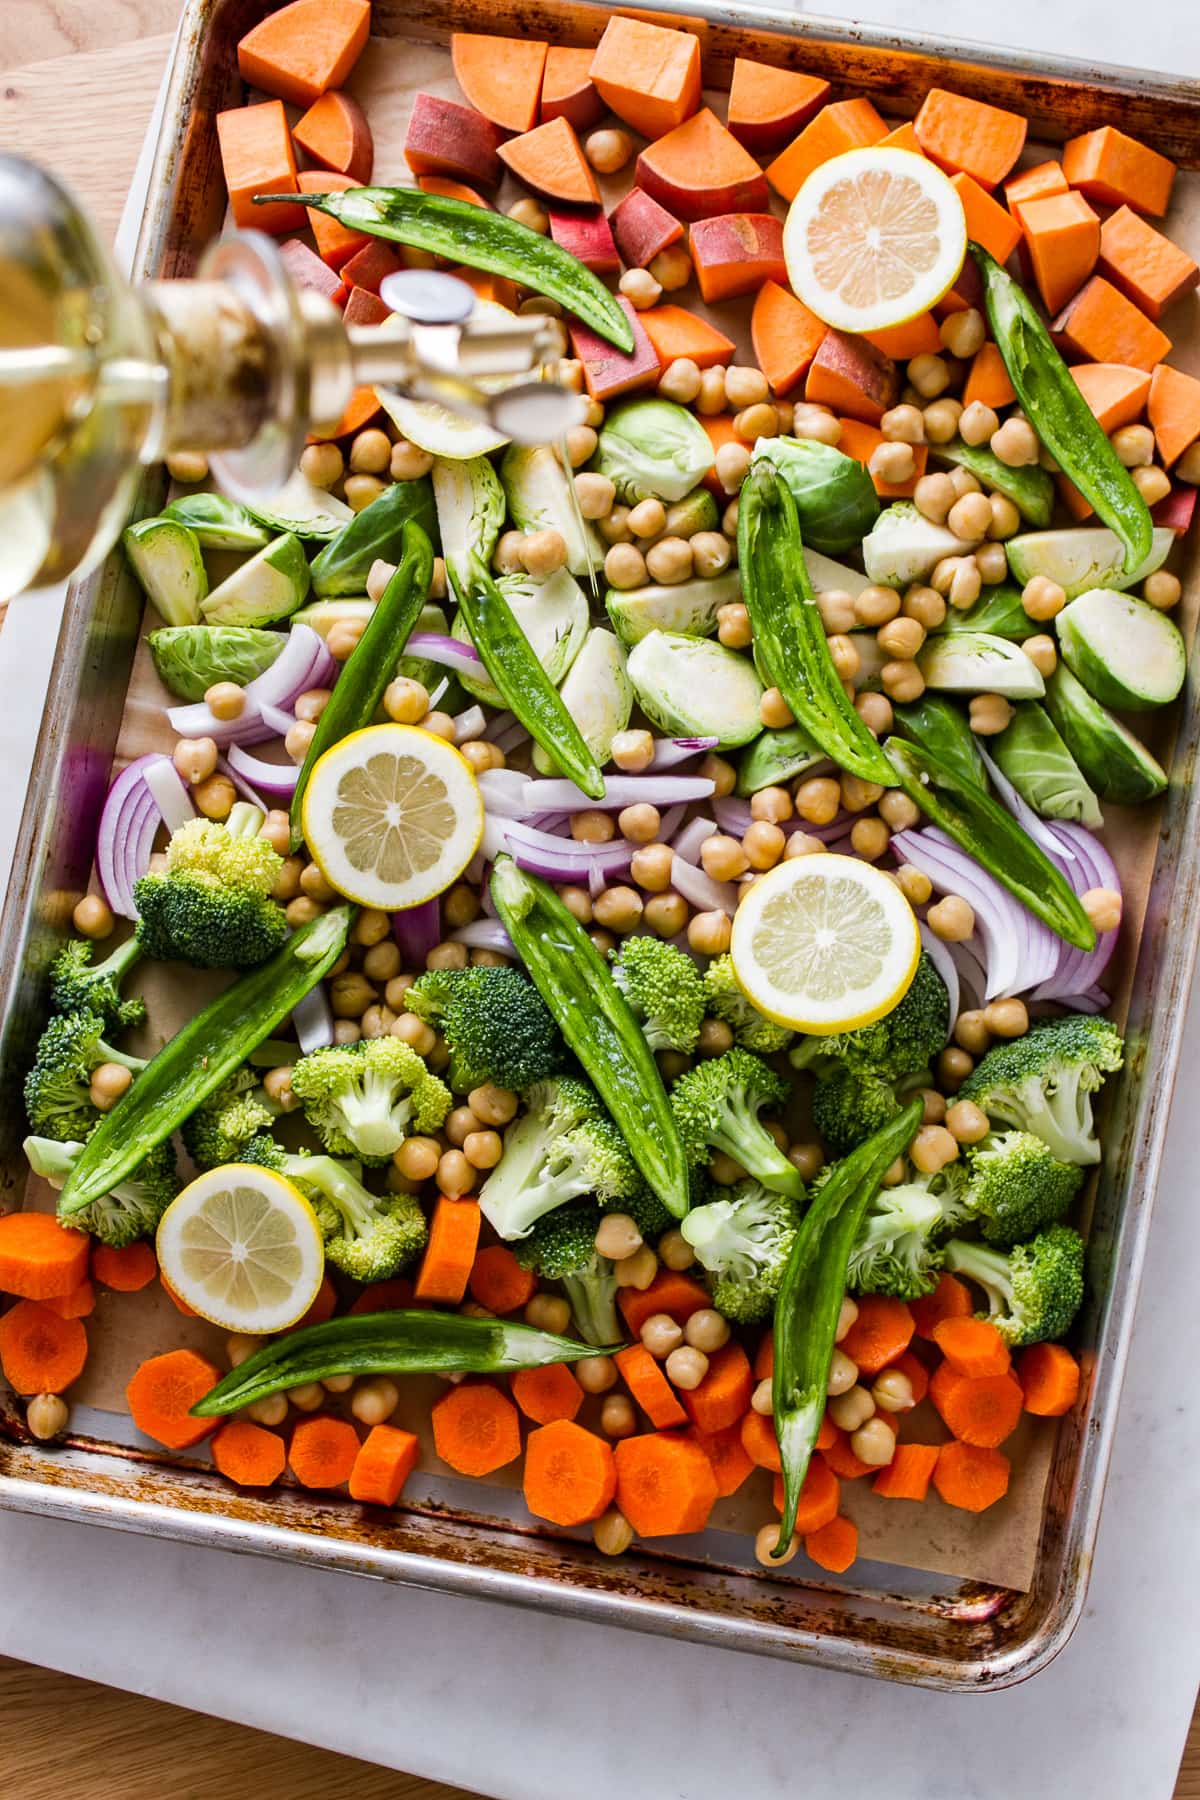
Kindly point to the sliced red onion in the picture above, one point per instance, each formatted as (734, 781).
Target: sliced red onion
(447, 652)
(1091, 866)
(506, 793)
(939, 955)
(619, 791)
(1094, 1001)
(669, 751)
(125, 841)
(170, 792)
(303, 663)
(597, 880)
(1030, 822)
(278, 718)
(313, 1019)
(277, 780)
(735, 817)
(688, 841)
(669, 823)
(1043, 952)
(438, 691)
(198, 720)
(997, 914)
(497, 725)
(484, 934)
(553, 858)
(469, 724)
(418, 930)
(972, 973)
(512, 735)
(700, 890)
(244, 787)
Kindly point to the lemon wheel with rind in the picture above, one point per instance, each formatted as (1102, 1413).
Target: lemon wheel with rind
(242, 1247)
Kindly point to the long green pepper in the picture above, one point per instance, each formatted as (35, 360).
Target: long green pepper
(810, 1299)
(789, 636)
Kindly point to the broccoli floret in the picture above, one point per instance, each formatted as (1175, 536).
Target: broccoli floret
(1018, 1186)
(221, 1126)
(77, 983)
(847, 1108)
(1044, 1082)
(1033, 1290)
(664, 991)
(902, 1042)
(133, 1208)
(742, 1238)
(562, 1247)
(367, 1236)
(212, 907)
(565, 1145)
(496, 1023)
(716, 1106)
(895, 1253)
(364, 1099)
(725, 1000)
(57, 1088)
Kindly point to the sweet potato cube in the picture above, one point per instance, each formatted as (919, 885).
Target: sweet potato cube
(850, 376)
(785, 334)
(500, 76)
(1101, 325)
(1118, 171)
(1116, 395)
(988, 381)
(1037, 183)
(1174, 412)
(735, 253)
(916, 337)
(768, 106)
(371, 266)
(365, 308)
(648, 75)
(675, 332)
(304, 49)
(306, 270)
(568, 91)
(257, 158)
(588, 236)
(699, 170)
(445, 138)
(969, 137)
(334, 133)
(1063, 236)
(862, 441)
(497, 289)
(1147, 267)
(608, 371)
(642, 228)
(1175, 511)
(452, 190)
(335, 242)
(846, 125)
(549, 160)
(987, 221)
(903, 138)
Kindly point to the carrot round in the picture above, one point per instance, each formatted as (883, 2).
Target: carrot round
(665, 1484)
(842, 1460)
(1049, 1376)
(40, 1352)
(819, 1497)
(162, 1393)
(676, 1295)
(950, 1299)
(189, 1312)
(759, 1441)
(547, 1395)
(385, 1296)
(826, 1433)
(727, 1454)
(450, 1253)
(248, 1455)
(881, 1332)
(649, 1386)
(322, 1452)
(918, 1375)
(969, 1477)
(908, 1474)
(39, 1259)
(834, 1546)
(981, 1410)
(76, 1305)
(498, 1281)
(476, 1429)
(129, 1269)
(723, 1395)
(972, 1347)
(570, 1474)
(384, 1463)
(764, 1356)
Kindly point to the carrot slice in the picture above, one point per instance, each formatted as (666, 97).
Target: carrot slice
(247, 1454)
(759, 1441)
(1174, 413)
(568, 91)
(665, 1484)
(826, 1433)
(500, 76)
(649, 1386)
(41, 1352)
(322, 1451)
(834, 1546)
(498, 1281)
(1049, 1376)
(951, 1298)
(723, 1395)
(546, 1395)
(450, 1252)
(970, 1478)
(881, 1332)
(908, 1474)
(764, 1356)
(476, 1428)
(842, 1460)
(982, 1410)
(699, 170)
(972, 1347)
(727, 1454)
(969, 137)
(303, 49)
(39, 1258)
(549, 160)
(335, 133)
(1038, 183)
(384, 1296)
(570, 1474)
(675, 332)
(676, 1295)
(767, 106)
(1100, 324)
(846, 125)
(128, 1269)
(918, 1375)
(162, 1393)
(1116, 395)
(76, 1305)
(384, 1463)
(1116, 170)
(1063, 237)
(1147, 267)
(648, 75)
(820, 1495)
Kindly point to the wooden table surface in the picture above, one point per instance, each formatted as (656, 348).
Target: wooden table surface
(77, 87)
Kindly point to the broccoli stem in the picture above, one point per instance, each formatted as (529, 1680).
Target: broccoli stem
(245, 819)
(592, 1296)
(740, 1135)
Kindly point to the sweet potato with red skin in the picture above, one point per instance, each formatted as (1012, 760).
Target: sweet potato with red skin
(609, 372)
(1146, 266)
(735, 253)
(1174, 511)
(700, 170)
(852, 377)
(306, 270)
(365, 308)
(445, 138)
(549, 160)
(336, 243)
(768, 106)
(500, 76)
(452, 190)
(334, 133)
(647, 74)
(785, 334)
(257, 158)
(588, 236)
(642, 228)
(966, 293)
(370, 266)
(304, 49)
(568, 91)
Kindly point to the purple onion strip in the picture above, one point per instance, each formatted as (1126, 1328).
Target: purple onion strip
(418, 930)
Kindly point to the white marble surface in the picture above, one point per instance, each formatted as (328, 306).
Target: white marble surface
(557, 1709)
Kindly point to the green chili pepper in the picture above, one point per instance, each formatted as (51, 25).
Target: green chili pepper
(481, 239)
(390, 1343)
(981, 826)
(524, 685)
(789, 638)
(1029, 488)
(810, 1299)
(372, 662)
(1058, 412)
(575, 982)
(943, 729)
(200, 1057)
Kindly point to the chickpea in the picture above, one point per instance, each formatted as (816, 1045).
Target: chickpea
(298, 738)
(417, 1158)
(548, 1312)
(766, 1545)
(674, 1251)
(617, 1417)
(706, 1331)
(188, 466)
(1042, 598)
(640, 823)
(876, 606)
(686, 1367)
(618, 909)
(1162, 589)
(903, 425)
(764, 845)
(843, 653)
(595, 1374)
(93, 918)
(579, 445)
(608, 150)
(971, 1031)
(1134, 445)
(914, 884)
(711, 553)
(670, 560)
(361, 490)
(875, 711)
(901, 638)
(721, 773)
(378, 576)
(723, 857)
(733, 626)
(774, 710)
(596, 495)
(455, 1176)
(843, 1374)
(870, 839)
(347, 1031)
(638, 1270)
(672, 267)
(651, 868)
(375, 1400)
(660, 1335)
(506, 557)
(625, 567)
(954, 1066)
(978, 423)
(308, 1397)
(527, 212)
(287, 886)
(46, 1416)
(929, 374)
(1188, 467)
(892, 1391)
(1152, 484)
(342, 638)
(370, 452)
(902, 681)
(934, 496)
(874, 1443)
(851, 1409)
(215, 796)
(1042, 653)
(109, 1081)
(544, 552)
(992, 563)
(967, 1122)
(989, 714)
(893, 463)
(714, 1039)
(578, 903)
(617, 1237)
(1103, 907)
(818, 800)
(612, 1533)
(321, 464)
(941, 421)
(709, 933)
(774, 804)
(970, 517)
(761, 1400)
(932, 1148)
(710, 397)
(1015, 443)
(446, 956)
(680, 381)
(1006, 520)
(633, 751)
(815, 422)
(350, 994)
(754, 422)
(732, 464)
(745, 386)
(959, 579)
(460, 1122)
(952, 919)
(1006, 1018)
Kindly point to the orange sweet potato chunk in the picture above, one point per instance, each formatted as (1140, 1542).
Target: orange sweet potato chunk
(846, 125)
(734, 253)
(699, 170)
(987, 221)
(1118, 171)
(549, 160)
(1063, 236)
(1037, 183)
(257, 158)
(915, 337)
(305, 49)
(767, 106)
(1174, 412)
(1116, 395)
(500, 76)
(988, 381)
(1101, 325)
(903, 138)
(862, 441)
(969, 137)
(648, 75)
(785, 334)
(1147, 267)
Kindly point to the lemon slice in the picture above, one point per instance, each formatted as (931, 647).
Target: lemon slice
(825, 943)
(873, 238)
(242, 1246)
(392, 815)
